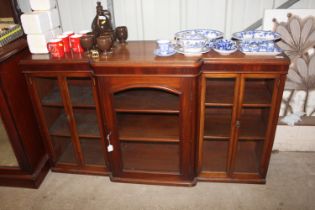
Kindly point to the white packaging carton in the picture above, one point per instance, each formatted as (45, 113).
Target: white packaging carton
(42, 4)
(37, 43)
(40, 21)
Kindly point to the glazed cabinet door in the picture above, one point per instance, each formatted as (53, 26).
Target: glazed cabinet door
(255, 124)
(218, 107)
(149, 126)
(69, 116)
(237, 124)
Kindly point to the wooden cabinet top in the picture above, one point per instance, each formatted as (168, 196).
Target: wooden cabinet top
(12, 48)
(140, 54)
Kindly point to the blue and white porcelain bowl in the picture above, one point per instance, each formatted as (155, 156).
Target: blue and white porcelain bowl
(193, 41)
(256, 35)
(224, 46)
(259, 47)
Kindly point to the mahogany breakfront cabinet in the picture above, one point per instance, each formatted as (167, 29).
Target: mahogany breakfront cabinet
(158, 120)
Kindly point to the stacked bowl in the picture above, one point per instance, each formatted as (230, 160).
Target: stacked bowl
(258, 42)
(196, 41)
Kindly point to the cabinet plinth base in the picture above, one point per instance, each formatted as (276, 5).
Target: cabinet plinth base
(232, 180)
(82, 170)
(171, 180)
(27, 180)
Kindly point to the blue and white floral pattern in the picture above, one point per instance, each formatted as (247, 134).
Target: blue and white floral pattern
(257, 35)
(210, 34)
(195, 40)
(224, 46)
(259, 47)
(192, 42)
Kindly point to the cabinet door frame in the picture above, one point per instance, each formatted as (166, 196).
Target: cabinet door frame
(237, 108)
(61, 78)
(269, 133)
(202, 107)
(182, 87)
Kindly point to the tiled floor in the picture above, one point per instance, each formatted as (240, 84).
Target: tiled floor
(290, 185)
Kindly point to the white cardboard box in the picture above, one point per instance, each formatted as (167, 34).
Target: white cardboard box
(37, 43)
(38, 22)
(42, 4)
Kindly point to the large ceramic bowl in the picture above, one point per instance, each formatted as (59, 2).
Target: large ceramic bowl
(210, 34)
(256, 35)
(195, 40)
(192, 43)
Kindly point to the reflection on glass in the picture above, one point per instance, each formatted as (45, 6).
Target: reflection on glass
(7, 156)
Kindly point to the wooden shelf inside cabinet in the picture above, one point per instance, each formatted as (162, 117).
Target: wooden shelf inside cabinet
(148, 127)
(60, 127)
(64, 150)
(92, 152)
(252, 128)
(86, 124)
(53, 98)
(81, 96)
(215, 155)
(151, 157)
(217, 124)
(257, 93)
(248, 157)
(219, 91)
(146, 101)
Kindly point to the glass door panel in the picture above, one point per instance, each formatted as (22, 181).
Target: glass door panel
(258, 91)
(148, 125)
(87, 124)
(7, 156)
(253, 124)
(220, 91)
(63, 149)
(48, 91)
(216, 139)
(248, 156)
(215, 155)
(86, 120)
(93, 152)
(218, 122)
(81, 92)
(150, 157)
(252, 134)
(146, 99)
(218, 109)
(151, 127)
(56, 119)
